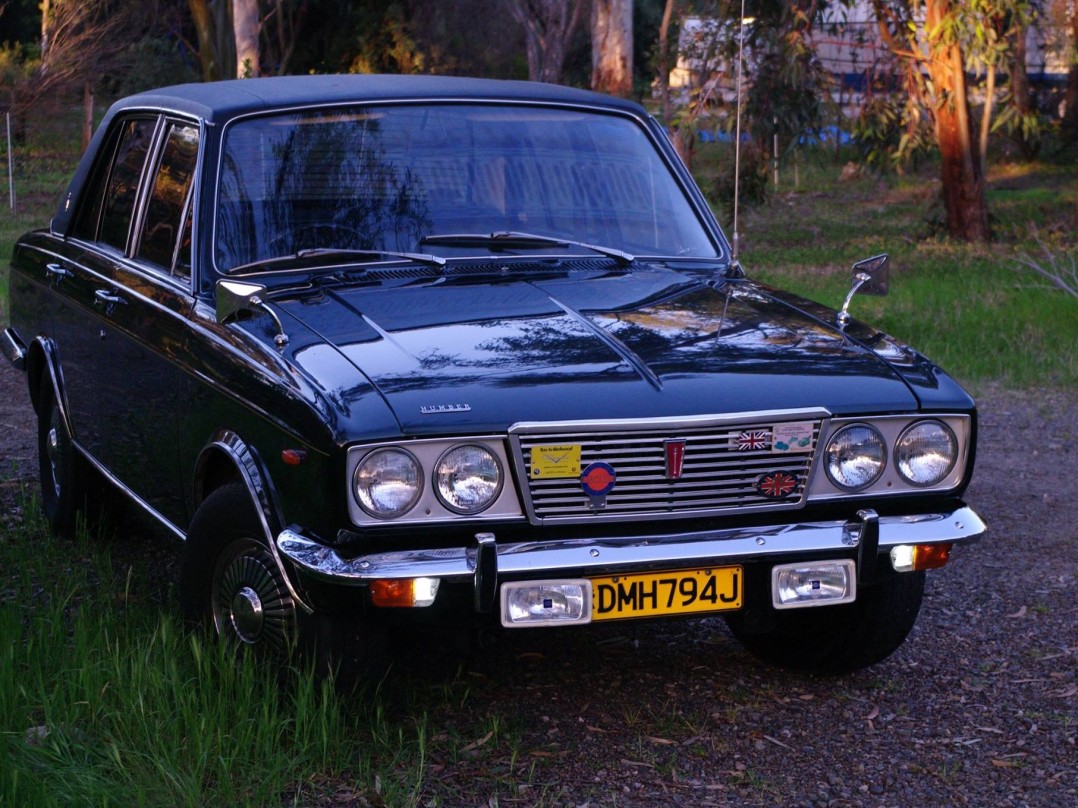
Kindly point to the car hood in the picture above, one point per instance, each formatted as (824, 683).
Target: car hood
(480, 353)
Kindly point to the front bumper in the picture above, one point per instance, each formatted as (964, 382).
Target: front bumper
(13, 348)
(486, 563)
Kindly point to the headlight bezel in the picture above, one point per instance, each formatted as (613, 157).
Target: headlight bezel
(429, 508)
(891, 482)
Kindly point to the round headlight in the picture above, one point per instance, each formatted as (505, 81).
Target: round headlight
(388, 483)
(856, 457)
(467, 479)
(926, 453)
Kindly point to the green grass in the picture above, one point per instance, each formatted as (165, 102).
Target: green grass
(106, 700)
(974, 309)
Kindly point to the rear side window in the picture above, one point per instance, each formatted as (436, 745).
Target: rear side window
(166, 233)
(113, 188)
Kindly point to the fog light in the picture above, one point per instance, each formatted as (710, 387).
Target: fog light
(817, 583)
(916, 557)
(406, 592)
(546, 603)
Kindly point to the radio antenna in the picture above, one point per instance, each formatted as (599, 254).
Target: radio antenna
(734, 262)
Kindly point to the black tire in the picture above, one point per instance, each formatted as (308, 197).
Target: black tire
(836, 639)
(60, 468)
(229, 580)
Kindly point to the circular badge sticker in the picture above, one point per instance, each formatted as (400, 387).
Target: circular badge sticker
(598, 479)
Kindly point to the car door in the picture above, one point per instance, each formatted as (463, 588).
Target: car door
(133, 285)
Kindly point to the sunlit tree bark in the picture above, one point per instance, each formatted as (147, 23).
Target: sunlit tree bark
(612, 46)
(246, 23)
(934, 48)
(960, 164)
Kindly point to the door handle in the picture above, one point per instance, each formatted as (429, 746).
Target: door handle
(57, 272)
(103, 297)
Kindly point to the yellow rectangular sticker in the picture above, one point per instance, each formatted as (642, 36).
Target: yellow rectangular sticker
(678, 592)
(552, 462)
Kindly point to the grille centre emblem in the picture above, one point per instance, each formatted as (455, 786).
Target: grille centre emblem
(777, 484)
(598, 480)
(675, 458)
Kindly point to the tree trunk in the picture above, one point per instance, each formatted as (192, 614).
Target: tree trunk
(87, 111)
(960, 166)
(612, 47)
(246, 24)
(1021, 92)
(549, 26)
(664, 59)
(204, 30)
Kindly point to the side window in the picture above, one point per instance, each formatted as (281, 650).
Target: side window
(121, 191)
(92, 197)
(166, 231)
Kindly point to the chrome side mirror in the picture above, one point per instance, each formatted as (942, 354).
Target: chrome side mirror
(234, 297)
(870, 277)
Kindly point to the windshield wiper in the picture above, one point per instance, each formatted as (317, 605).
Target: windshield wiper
(514, 240)
(345, 252)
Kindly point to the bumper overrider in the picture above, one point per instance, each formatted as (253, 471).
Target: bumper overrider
(820, 563)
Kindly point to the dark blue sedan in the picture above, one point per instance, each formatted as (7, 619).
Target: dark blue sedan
(476, 351)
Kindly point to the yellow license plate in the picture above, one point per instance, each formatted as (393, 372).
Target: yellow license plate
(677, 592)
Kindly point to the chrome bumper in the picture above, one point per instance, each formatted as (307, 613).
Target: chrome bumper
(487, 561)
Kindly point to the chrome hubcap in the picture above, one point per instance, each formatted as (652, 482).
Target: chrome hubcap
(251, 604)
(247, 614)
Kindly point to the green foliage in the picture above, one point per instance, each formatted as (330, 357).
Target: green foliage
(752, 187)
(17, 65)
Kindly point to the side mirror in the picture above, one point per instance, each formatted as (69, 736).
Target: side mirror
(234, 297)
(870, 277)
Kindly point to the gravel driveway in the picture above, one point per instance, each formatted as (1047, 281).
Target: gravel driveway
(978, 707)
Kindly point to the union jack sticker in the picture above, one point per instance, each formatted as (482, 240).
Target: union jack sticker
(752, 440)
(776, 484)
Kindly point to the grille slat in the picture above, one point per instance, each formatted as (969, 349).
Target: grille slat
(716, 475)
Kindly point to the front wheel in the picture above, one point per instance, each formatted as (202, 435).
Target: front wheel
(836, 639)
(230, 581)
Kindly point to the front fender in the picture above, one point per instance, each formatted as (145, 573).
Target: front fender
(226, 457)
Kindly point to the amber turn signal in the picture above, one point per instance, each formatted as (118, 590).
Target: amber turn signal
(931, 556)
(405, 592)
(918, 557)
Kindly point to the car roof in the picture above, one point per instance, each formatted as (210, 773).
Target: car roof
(222, 100)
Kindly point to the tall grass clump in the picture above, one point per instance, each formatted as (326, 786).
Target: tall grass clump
(104, 701)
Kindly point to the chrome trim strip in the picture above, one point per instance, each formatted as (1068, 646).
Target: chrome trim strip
(622, 554)
(13, 348)
(663, 424)
(131, 496)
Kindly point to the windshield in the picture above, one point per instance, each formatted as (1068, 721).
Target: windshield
(386, 178)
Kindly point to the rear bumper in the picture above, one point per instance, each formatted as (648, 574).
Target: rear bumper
(487, 562)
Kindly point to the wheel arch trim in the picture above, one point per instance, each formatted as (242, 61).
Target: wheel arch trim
(246, 466)
(43, 357)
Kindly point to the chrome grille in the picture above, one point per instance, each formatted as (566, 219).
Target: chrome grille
(717, 473)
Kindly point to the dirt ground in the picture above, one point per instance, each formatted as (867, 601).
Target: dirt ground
(977, 708)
